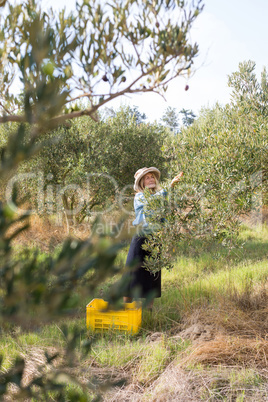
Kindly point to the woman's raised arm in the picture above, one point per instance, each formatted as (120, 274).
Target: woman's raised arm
(176, 179)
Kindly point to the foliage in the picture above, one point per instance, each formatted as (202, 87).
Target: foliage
(249, 95)
(171, 119)
(134, 111)
(188, 117)
(223, 155)
(98, 52)
(139, 117)
(36, 291)
(86, 166)
(248, 115)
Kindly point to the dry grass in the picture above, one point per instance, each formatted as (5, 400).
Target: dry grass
(179, 384)
(48, 231)
(35, 363)
(227, 350)
(42, 233)
(174, 384)
(35, 360)
(255, 218)
(237, 314)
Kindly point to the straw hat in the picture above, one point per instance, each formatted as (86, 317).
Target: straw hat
(142, 172)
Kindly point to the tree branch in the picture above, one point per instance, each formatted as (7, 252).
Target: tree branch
(12, 118)
(5, 109)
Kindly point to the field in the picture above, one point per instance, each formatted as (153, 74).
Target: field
(205, 340)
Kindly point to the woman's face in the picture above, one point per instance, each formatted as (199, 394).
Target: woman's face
(149, 181)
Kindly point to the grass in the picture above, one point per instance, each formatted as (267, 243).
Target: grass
(226, 291)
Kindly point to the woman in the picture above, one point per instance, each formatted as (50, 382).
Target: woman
(141, 282)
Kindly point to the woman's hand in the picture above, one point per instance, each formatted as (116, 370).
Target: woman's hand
(176, 179)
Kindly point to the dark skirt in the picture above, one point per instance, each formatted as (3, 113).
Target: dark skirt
(141, 282)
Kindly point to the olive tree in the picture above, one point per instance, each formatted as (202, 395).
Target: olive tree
(248, 119)
(93, 163)
(99, 52)
(224, 157)
(171, 119)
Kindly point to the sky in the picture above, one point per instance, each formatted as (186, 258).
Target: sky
(228, 32)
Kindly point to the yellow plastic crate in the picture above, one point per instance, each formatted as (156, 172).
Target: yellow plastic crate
(127, 320)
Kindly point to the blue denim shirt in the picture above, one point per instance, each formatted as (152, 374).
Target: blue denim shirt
(139, 202)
